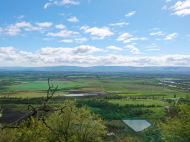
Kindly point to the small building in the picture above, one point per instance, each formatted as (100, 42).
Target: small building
(110, 134)
(168, 108)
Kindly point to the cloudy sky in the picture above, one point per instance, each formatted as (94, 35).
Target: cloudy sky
(94, 32)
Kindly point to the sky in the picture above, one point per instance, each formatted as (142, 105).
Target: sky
(36, 33)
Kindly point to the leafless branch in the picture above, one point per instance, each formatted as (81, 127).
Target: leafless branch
(44, 107)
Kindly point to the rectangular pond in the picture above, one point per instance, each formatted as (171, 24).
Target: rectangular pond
(137, 125)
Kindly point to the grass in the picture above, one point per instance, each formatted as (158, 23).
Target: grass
(158, 112)
(40, 85)
(28, 94)
(160, 94)
(145, 102)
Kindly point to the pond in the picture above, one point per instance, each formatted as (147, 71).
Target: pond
(80, 95)
(137, 125)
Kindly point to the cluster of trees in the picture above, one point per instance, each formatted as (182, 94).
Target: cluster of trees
(140, 105)
(15, 100)
(70, 124)
(114, 97)
(177, 128)
(109, 111)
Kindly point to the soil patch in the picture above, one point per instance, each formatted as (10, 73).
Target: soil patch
(11, 116)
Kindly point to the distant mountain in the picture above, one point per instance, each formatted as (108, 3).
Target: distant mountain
(94, 68)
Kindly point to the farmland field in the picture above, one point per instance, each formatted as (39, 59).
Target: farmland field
(40, 85)
(145, 102)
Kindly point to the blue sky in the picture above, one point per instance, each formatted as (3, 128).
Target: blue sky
(95, 33)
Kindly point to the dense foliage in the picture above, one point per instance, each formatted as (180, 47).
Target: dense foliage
(110, 111)
(66, 125)
(178, 127)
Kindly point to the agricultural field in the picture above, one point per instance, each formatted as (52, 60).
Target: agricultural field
(39, 85)
(140, 102)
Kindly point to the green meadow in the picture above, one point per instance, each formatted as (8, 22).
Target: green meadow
(40, 85)
(145, 102)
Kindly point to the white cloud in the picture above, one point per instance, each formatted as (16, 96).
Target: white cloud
(66, 40)
(62, 14)
(158, 39)
(64, 56)
(181, 8)
(77, 40)
(73, 19)
(168, 0)
(153, 49)
(25, 53)
(60, 26)
(80, 40)
(159, 33)
(119, 24)
(23, 24)
(165, 7)
(51, 51)
(20, 17)
(35, 29)
(63, 33)
(114, 48)
(129, 40)
(83, 49)
(48, 39)
(123, 36)
(152, 45)
(130, 14)
(130, 46)
(45, 24)
(84, 27)
(6, 50)
(13, 30)
(41, 27)
(155, 29)
(1, 30)
(65, 2)
(46, 5)
(171, 36)
(97, 33)
(143, 38)
(133, 49)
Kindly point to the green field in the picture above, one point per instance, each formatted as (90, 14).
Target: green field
(28, 94)
(158, 112)
(40, 85)
(145, 102)
(160, 94)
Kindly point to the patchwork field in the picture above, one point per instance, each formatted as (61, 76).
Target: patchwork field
(40, 85)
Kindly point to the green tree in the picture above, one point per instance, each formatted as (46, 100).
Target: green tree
(178, 127)
(65, 124)
(1, 110)
(35, 132)
(75, 124)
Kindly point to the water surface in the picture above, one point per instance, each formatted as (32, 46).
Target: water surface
(137, 125)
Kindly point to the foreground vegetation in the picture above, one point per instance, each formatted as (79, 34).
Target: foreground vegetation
(121, 96)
